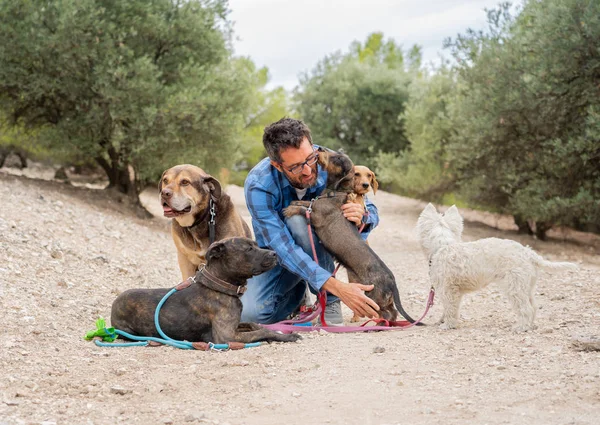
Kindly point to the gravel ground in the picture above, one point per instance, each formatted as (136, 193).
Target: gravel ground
(68, 252)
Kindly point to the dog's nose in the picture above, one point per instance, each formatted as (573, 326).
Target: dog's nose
(166, 193)
(365, 185)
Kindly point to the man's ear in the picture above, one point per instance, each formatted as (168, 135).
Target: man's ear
(277, 165)
(213, 186)
(374, 183)
(454, 220)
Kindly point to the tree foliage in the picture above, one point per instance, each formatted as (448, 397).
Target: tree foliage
(354, 101)
(527, 117)
(423, 170)
(135, 85)
(513, 126)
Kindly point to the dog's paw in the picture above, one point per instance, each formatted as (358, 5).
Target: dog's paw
(522, 328)
(290, 337)
(446, 326)
(294, 210)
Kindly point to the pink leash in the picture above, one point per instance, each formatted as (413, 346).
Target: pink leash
(297, 325)
(310, 313)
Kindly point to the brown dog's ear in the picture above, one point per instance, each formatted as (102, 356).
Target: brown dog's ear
(213, 186)
(323, 157)
(374, 183)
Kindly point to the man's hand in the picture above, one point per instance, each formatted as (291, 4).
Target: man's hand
(353, 212)
(353, 296)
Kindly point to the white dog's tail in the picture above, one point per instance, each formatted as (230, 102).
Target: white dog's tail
(552, 265)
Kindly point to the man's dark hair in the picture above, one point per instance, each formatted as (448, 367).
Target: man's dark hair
(283, 134)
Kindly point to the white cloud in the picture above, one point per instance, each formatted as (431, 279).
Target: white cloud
(291, 36)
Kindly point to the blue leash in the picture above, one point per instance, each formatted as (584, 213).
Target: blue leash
(166, 340)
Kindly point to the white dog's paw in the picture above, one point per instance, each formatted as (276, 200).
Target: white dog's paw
(522, 328)
(446, 326)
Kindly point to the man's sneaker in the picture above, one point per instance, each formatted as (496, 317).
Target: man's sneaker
(333, 314)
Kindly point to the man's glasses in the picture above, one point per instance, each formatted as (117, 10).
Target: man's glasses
(311, 160)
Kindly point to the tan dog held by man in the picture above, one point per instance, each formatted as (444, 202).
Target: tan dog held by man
(199, 209)
(364, 180)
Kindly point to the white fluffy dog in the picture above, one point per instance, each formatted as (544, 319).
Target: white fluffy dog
(456, 267)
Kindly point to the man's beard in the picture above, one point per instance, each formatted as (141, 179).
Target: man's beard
(300, 185)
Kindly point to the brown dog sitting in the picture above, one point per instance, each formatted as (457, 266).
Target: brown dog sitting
(209, 309)
(200, 210)
(341, 238)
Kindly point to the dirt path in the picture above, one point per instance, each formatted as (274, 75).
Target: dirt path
(68, 252)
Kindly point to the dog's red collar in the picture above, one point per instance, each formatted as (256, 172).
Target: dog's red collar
(220, 285)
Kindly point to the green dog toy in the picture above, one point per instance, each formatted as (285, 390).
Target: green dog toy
(107, 334)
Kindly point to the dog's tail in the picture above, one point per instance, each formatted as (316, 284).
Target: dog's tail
(399, 307)
(539, 261)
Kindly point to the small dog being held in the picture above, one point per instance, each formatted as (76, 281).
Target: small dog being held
(190, 197)
(456, 267)
(364, 181)
(209, 309)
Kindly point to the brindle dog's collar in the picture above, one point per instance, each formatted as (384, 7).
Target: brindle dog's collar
(220, 285)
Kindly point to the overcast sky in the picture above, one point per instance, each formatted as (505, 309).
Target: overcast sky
(291, 36)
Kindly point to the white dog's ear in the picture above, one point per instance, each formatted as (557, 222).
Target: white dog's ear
(429, 213)
(430, 208)
(454, 220)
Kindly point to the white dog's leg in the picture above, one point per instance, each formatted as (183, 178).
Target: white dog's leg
(450, 298)
(519, 291)
(533, 282)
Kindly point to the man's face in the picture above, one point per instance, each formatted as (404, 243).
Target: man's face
(293, 158)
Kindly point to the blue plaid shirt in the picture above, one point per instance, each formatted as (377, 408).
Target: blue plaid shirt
(268, 192)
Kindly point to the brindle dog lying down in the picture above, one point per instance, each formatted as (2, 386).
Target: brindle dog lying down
(209, 309)
(341, 237)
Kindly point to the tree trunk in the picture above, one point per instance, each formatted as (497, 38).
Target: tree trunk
(541, 227)
(523, 225)
(122, 181)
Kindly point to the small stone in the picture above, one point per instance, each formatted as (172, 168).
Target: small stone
(586, 343)
(121, 371)
(378, 350)
(119, 390)
(501, 367)
(296, 395)
(56, 254)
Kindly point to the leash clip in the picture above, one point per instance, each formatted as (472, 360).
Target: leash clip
(212, 212)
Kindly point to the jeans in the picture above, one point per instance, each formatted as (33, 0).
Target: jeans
(277, 293)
